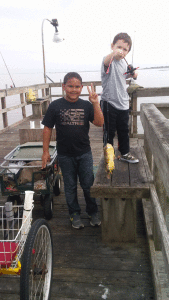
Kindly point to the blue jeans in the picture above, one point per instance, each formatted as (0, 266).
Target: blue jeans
(72, 168)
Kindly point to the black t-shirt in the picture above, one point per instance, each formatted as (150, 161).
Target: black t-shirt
(71, 121)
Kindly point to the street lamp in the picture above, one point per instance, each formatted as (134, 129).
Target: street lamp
(56, 39)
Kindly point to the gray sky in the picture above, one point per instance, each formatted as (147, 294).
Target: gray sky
(88, 27)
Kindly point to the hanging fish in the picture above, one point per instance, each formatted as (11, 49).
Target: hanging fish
(109, 157)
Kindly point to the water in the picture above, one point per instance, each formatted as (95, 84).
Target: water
(146, 78)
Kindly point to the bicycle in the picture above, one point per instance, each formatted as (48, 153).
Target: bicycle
(26, 249)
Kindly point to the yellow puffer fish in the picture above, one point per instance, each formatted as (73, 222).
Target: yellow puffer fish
(109, 157)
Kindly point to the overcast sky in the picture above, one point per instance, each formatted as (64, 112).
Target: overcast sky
(88, 27)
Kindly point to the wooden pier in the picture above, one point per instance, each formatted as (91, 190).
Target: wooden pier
(84, 266)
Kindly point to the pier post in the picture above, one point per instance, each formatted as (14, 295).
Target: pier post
(4, 115)
(118, 220)
(23, 108)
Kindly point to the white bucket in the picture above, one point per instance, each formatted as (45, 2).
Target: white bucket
(27, 214)
(41, 125)
(32, 124)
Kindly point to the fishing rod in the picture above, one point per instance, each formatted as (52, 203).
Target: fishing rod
(8, 71)
(130, 69)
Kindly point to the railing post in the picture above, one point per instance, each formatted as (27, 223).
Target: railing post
(23, 108)
(4, 115)
(47, 91)
(43, 93)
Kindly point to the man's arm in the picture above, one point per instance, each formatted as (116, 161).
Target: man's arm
(98, 115)
(47, 132)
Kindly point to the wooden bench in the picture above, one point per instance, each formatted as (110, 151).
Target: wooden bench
(118, 194)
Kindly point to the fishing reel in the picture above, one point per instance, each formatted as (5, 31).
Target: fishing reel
(130, 70)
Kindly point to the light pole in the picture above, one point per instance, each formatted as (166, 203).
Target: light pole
(56, 39)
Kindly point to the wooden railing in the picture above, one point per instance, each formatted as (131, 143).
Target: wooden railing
(144, 92)
(46, 91)
(21, 91)
(156, 146)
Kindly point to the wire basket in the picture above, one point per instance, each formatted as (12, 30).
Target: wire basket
(14, 227)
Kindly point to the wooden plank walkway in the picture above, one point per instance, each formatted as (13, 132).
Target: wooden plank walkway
(84, 267)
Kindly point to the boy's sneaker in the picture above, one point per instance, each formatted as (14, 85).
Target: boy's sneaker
(94, 220)
(76, 221)
(129, 158)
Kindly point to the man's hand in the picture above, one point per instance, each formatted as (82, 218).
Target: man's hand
(93, 97)
(45, 159)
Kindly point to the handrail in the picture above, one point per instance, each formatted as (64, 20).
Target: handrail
(21, 91)
(156, 146)
(46, 91)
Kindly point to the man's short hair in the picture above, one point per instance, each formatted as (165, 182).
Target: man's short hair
(125, 37)
(71, 75)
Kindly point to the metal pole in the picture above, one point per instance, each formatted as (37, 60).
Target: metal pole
(43, 52)
(54, 22)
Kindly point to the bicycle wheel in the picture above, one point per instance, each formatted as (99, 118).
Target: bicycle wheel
(37, 264)
(57, 184)
(48, 206)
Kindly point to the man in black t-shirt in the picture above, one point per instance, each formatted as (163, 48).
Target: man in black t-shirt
(71, 116)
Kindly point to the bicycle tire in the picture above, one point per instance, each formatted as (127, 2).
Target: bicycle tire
(48, 206)
(37, 263)
(57, 185)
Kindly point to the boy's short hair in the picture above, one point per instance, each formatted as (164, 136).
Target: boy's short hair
(71, 75)
(125, 37)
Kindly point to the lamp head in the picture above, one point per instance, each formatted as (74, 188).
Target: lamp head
(56, 38)
(54, 22)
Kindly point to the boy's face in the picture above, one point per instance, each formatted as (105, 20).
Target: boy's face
(121, 48)
(72, 88)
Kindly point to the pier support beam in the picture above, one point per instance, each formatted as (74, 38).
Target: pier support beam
(118, 220)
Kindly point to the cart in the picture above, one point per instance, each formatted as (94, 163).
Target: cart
(21, 170)
(26, 250)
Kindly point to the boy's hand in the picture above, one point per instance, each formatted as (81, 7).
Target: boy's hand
(93, 97)
(118, 54)
(45, 159)
(135, 75)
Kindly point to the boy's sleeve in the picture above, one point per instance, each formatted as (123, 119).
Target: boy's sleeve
(104, 75)
(49, 118)
(103, 67)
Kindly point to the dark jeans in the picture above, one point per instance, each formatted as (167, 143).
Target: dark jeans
(72, 168)
(116, 120)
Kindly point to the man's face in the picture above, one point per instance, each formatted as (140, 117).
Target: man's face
(72, 88)
(121, 47)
